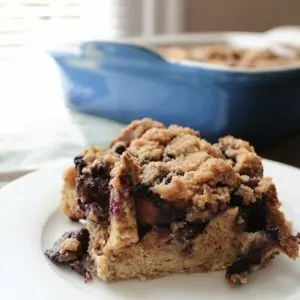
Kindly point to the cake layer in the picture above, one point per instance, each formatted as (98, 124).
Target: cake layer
(163, 200)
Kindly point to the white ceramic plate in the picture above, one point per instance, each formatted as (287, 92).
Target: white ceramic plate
(30, 222)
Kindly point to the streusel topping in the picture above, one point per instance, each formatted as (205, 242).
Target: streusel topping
(178, 165)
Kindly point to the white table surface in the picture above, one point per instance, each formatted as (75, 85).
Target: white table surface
(36, 129)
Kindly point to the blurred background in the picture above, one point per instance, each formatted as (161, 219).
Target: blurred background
(42, 23)
(35, 127)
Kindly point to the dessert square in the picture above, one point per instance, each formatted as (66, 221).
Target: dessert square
(163, 200)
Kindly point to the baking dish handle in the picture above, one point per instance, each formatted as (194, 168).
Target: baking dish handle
(116, 50)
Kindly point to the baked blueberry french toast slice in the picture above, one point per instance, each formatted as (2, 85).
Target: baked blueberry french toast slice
(162, 200)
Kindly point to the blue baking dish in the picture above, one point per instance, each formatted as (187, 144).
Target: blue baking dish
(124, 81)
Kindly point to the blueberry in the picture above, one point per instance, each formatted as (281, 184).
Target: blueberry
(273, 232)
(59, 254)
(141, 190)
(189, 230)
(168, 179)
(79, 163)
(120, 149)
(255, 216)
(244, 264)
(236, 200)
(99, 170)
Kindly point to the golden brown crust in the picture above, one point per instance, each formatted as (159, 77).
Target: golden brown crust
(95, 154)
(193, 185)
(136, 129)
(192, 164)
(247, 162)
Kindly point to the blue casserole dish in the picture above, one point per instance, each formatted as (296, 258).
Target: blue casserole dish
(124, 81)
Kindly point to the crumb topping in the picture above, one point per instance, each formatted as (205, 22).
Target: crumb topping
(135, 130)
(166, 190)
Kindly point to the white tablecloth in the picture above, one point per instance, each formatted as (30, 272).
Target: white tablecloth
(35, 127)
